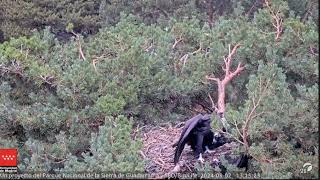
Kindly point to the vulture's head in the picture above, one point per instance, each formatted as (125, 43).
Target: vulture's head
(219, 139)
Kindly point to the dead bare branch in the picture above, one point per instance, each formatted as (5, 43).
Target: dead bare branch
(176, 41)
(214, 107)
(185, 57)
(212, 78)
(229, 75)
(15, 70)
(198, 50)
(277, 20)
(79, 45)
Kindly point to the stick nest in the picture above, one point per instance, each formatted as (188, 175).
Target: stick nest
(159, 153)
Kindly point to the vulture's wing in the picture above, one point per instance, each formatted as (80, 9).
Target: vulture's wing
(186, 125)
(190, 124)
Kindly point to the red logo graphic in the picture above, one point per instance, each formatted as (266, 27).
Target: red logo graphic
(8, 157)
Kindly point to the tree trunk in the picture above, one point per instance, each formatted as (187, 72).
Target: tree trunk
(229, 75)
(221, 98)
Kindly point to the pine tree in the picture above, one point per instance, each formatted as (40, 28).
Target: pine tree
(112, 150)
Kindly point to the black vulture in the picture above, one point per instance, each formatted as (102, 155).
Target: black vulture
(240, 161)
(197, 133)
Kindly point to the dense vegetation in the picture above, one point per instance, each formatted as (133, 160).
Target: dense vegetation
(77, 77)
